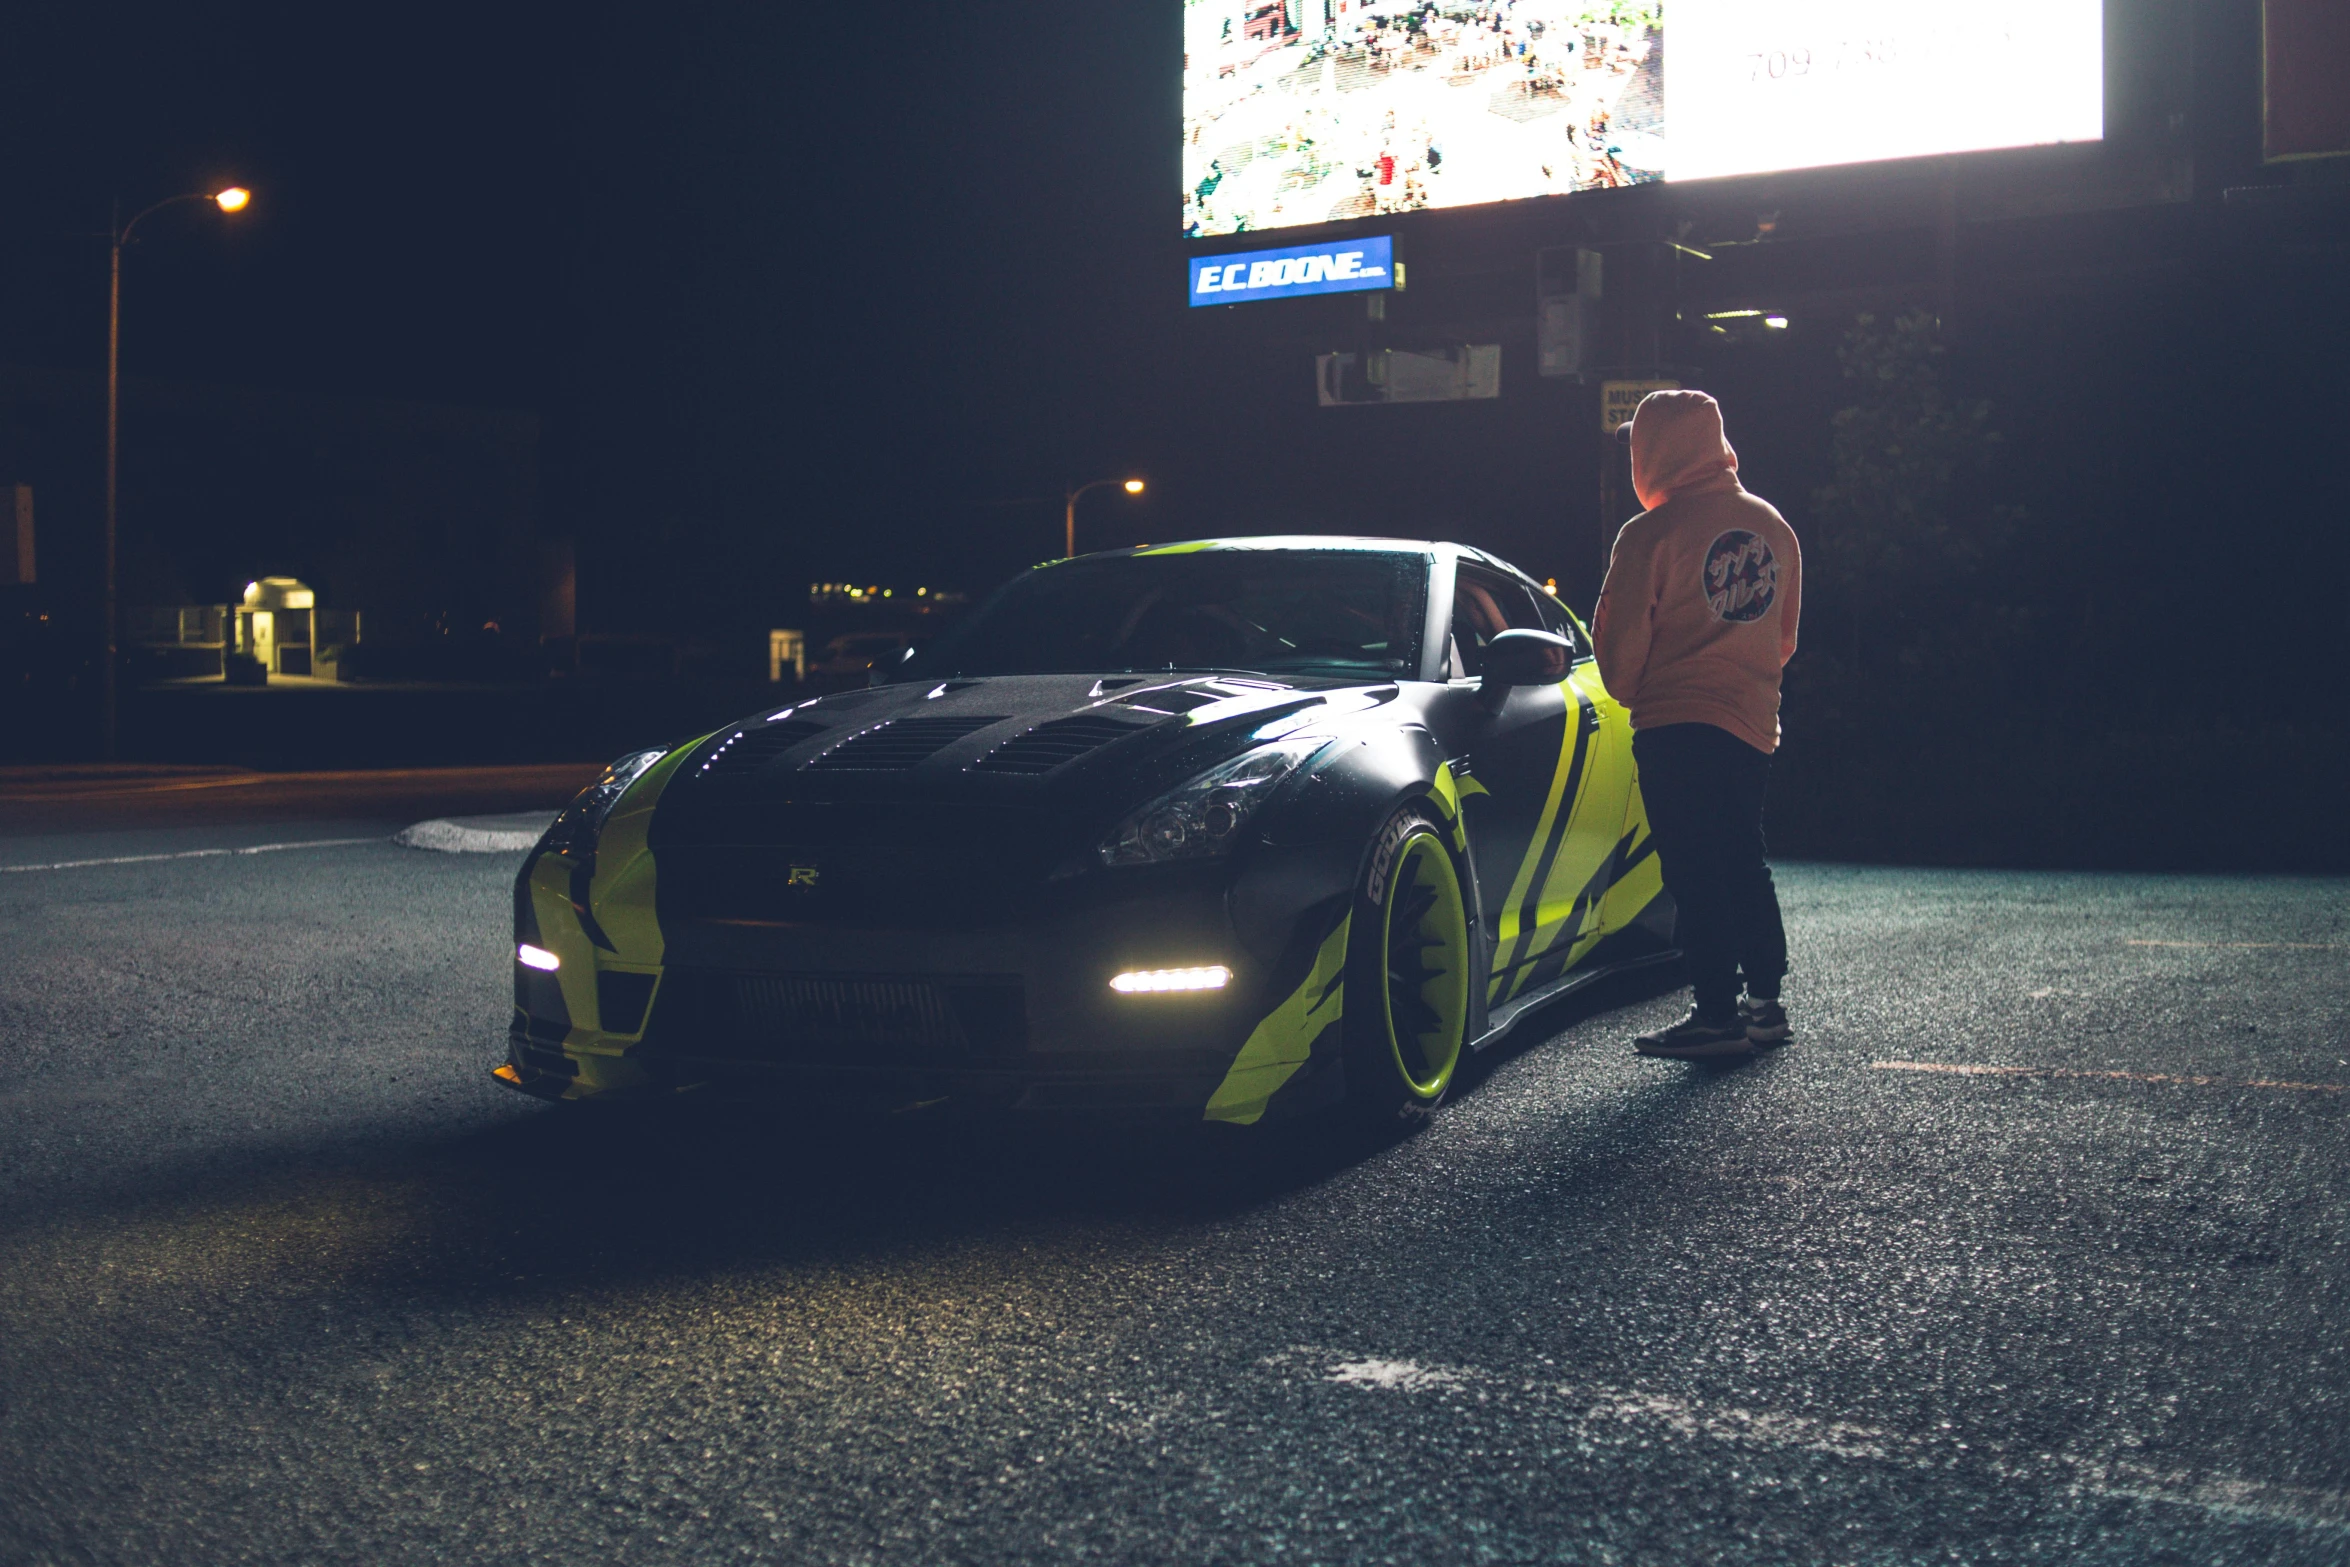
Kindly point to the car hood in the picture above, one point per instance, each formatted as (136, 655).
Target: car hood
(1020, 754)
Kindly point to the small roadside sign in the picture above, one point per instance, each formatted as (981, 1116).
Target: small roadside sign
(1619, 399)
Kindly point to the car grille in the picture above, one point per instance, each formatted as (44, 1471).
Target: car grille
(839, 1020)
(1052, 745)
(620, 1000)
(899, 743)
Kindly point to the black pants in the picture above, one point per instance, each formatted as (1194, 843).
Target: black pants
(1704, 790)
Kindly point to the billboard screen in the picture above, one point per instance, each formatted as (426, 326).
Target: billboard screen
(1317, 111)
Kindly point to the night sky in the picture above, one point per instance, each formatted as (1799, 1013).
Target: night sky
(847, 273)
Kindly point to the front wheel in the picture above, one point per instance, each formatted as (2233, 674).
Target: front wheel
(1407, 988)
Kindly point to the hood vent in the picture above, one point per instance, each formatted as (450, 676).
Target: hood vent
(1064, 740)
(896, 744)
(1170, 700)
(748, 749)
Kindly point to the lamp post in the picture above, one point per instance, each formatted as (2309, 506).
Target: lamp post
(234, 199)
(1069, 499)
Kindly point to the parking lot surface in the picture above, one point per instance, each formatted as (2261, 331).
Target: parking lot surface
(2035, 1246)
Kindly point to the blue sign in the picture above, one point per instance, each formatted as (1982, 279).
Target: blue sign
(1344, 266)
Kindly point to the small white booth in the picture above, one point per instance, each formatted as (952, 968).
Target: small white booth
(275, 624)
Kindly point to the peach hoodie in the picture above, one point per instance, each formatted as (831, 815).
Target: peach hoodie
(1704, 588)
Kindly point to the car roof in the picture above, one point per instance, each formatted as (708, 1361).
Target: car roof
(1287, 541)
(1367, 543)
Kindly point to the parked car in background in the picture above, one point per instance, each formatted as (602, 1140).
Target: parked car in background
(848, 659)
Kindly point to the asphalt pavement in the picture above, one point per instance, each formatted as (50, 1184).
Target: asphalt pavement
(2033, 1247)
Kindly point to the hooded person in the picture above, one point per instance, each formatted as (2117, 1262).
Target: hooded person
(1696, 620)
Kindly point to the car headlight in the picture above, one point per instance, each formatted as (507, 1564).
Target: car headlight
(1205, 816)
(575, 830)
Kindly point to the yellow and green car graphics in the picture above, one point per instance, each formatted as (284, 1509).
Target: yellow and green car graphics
(1097, 890)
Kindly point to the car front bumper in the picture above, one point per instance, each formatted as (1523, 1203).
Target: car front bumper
(1010, 1009)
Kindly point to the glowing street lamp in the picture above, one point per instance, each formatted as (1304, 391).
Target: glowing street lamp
(233, 199)
(1069, 498)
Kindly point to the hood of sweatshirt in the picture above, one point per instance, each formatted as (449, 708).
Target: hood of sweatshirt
(1678, 448)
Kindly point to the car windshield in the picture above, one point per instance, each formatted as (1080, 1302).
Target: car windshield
(1348, 613)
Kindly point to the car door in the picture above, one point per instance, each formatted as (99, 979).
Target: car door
(1554, 768)
(1596, 885)
(1510, 758)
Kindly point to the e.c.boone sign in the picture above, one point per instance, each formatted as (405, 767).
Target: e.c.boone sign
(1346, 266)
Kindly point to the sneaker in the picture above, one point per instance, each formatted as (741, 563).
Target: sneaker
(1696, 1039)
(1766, 1021)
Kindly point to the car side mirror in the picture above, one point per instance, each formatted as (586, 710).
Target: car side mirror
(1522, 658)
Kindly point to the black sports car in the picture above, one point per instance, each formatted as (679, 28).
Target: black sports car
(1235, 828)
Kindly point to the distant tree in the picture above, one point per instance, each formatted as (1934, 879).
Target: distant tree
(1898, 535)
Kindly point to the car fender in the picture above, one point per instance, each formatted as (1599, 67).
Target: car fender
(596, 916)
(1293, 901)
(1319, 834)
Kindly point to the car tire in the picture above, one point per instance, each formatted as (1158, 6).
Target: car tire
(1408, 975)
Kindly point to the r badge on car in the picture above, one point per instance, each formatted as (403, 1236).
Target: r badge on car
(801, 876)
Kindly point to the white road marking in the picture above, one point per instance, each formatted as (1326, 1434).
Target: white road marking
(192, 854)
(1598, 1407)
(1972, 1069)
(479, 835)
(2285, 946)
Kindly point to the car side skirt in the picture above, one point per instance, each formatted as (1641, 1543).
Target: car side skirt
(1604, 963)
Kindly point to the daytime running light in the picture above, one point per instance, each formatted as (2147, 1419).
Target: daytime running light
(1154, 981)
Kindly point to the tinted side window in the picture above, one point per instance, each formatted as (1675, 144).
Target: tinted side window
(1356, 614)
(1555, 618)
(1485, 604)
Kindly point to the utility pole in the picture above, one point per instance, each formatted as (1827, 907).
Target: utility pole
(108, 619)
(118, 234)
(1069, 508)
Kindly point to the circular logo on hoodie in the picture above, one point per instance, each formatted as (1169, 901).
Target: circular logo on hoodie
(1741, 576)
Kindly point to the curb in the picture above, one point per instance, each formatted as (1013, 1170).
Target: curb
(476, 834)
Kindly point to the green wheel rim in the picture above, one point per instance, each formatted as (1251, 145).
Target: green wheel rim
(1426, 958)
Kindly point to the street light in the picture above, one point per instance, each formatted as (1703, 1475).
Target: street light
(233, 199)
(1069, 499)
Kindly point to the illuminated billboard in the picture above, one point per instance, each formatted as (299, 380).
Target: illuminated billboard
(1346, 266)
(1317, 111)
